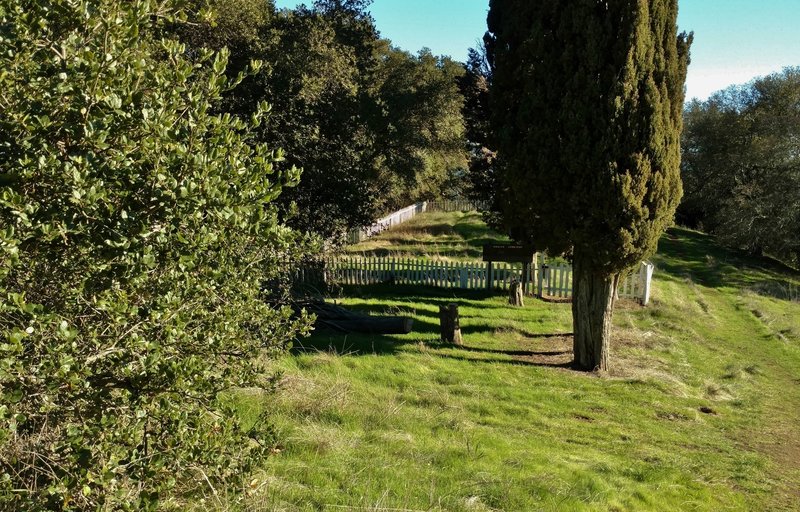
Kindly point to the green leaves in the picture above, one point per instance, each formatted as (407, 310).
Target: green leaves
(587, 117)
(136, 235)
(740, 165)
(372, 127)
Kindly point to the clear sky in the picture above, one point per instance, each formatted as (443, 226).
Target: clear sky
(735, 40)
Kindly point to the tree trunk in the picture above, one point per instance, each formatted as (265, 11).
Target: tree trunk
(592, 307)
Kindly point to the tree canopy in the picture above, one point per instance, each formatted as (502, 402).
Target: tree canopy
(587, 99)
(741, 165)
(372, 126)
(482, 183)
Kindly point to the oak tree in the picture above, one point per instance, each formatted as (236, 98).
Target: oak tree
(740, 166)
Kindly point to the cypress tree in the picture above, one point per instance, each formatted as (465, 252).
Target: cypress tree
(587, 97)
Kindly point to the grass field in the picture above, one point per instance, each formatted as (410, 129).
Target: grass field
(700, 412)
(453, 236)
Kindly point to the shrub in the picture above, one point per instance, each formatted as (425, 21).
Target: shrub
(135, 234)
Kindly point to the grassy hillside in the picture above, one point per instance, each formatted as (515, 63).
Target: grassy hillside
(700, 411)
(437, 235)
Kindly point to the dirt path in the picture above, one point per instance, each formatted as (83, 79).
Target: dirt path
(778, 434)
(779, 437)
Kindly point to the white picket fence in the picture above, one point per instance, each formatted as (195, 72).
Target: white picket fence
(454, 205)
(540, 279)
(409, 212)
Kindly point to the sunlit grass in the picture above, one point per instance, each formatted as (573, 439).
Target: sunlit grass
(699, 411)
(449, 236)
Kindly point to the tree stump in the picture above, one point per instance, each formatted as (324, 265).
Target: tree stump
(515, 294)
(449, 324)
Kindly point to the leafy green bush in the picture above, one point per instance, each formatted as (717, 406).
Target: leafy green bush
(136, 233)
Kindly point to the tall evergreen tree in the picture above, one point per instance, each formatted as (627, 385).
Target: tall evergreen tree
(587, 98)
(481, 176)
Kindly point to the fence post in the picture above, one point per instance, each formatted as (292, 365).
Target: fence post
(540, 275)
(526, 273)
(647, 271)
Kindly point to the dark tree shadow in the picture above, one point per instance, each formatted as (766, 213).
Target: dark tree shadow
(523, 353)
(422, 303)
(348, 344)
(360, 345)
(510, 362)
(422, 294)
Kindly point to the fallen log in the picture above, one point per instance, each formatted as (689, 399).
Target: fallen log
(369, 324)
(337, 318)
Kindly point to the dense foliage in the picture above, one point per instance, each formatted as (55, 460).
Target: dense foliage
(741, 165)
(587, 99)
(136, 235)
(482, 183)
(373, 127)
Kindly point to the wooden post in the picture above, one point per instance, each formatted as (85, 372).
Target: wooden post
(489, 276)
(526, 272)
(540, 276)
(515, 293)
(449, 324)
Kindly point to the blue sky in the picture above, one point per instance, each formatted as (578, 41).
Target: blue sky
(735, 40)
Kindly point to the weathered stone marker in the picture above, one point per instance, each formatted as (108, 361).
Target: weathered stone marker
(515, 294)
(449, 324)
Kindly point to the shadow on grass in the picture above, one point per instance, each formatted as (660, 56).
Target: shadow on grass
(522, 353)
(687, 254)
(417, 293)
(422, 308)
(471, 227)
(510, 362)
(408, 242)
(388, 310)
(402, 248)
(422, 303)
(441, 249)
(426, 333)
(361, 345)
(480, 329)
(325, 340)
(464, 238)
(348, 344)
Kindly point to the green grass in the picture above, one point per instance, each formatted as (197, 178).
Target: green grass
(700, 410)
(451, 236)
